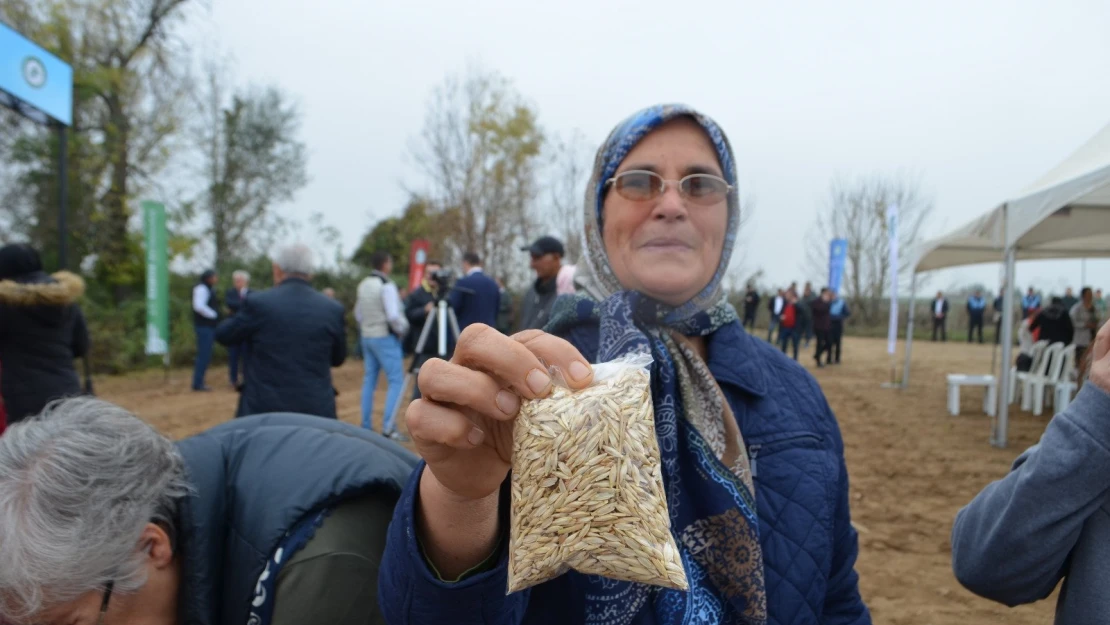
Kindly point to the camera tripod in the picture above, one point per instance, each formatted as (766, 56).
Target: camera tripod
(442, 316)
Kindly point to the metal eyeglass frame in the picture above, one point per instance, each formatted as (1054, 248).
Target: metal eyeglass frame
(678, 184)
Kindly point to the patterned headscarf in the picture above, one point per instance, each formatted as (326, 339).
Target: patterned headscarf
(600, 280)
(712, 506)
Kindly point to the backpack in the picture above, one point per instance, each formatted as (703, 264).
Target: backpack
(788, 316)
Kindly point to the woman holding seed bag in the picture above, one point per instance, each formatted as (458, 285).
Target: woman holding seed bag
(751, 455)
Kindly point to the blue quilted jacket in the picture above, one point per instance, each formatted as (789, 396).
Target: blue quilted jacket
(797, 457)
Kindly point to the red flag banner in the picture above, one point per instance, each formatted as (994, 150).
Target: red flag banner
(418, 258)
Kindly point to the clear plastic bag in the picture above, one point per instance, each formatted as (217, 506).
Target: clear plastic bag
(587, 484)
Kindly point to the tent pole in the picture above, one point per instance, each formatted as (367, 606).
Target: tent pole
(912, 310)
(1002, 414)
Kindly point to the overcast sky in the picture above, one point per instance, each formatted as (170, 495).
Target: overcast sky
(977, 99)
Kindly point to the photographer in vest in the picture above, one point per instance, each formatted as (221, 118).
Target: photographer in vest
(382, 321)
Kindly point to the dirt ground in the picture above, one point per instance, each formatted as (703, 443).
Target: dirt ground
(912, 466)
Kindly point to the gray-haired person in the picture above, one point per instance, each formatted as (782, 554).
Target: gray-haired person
(295, 335)
(103, 520)
(1049, 518)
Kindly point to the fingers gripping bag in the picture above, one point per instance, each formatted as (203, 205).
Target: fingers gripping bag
(587, 484)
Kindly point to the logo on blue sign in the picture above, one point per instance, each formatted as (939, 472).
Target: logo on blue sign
(34, 72)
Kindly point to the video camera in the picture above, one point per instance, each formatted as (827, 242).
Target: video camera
(443, 279)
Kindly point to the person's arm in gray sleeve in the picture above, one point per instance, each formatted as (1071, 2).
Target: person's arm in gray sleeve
(1012, 542)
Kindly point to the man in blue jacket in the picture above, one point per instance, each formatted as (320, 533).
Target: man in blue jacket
(476, 297)
(976, 309)
(1030, 303)
(295, 335)
(1049, 519)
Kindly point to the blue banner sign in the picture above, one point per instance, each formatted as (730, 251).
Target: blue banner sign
(838, 255)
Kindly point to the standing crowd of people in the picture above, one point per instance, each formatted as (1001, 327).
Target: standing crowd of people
(1066, 319)
(813, 316)
(284, 341)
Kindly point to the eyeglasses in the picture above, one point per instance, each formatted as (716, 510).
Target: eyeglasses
(104, 602)
(640, 186)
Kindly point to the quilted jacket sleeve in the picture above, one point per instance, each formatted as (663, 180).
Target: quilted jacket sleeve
(410, 594)
(843, 604)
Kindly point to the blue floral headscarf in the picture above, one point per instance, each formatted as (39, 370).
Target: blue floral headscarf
(712, 505)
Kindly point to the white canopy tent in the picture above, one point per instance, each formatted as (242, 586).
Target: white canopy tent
(1064, 214)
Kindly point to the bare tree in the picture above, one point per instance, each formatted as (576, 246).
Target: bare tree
(856, 210)
(480, 150)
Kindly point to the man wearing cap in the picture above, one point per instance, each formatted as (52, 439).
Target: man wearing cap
(547, 259)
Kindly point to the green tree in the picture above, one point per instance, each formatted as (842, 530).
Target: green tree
(253, 160)
(395, 234)
(129, 81)
(480, 150)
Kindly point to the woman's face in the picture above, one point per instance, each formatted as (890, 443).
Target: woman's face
(667, 248)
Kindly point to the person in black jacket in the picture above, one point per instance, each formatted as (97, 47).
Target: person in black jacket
(547, 260)
(939, 311)
(418, 305)
(277, 519)
(805, 313)
(42, 331)
(1054, 323)
(295, 335)
(751, 307)
(822, 326)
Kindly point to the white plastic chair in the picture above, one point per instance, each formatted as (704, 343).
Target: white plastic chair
(1038, 384)
(1066, 385)
(1018, 377)
(1037, 372)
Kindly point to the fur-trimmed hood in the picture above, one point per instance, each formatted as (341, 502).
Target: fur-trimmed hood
(65, 288)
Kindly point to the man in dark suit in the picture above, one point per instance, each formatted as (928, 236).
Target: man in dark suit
(233, 299)
(476, 297)
(295, 334)
(940, 317)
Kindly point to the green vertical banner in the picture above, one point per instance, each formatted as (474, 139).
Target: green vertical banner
(157, 279)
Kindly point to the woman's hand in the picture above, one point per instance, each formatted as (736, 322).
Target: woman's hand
(463, 426)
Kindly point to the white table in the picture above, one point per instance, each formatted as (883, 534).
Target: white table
(956, 380)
